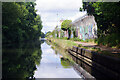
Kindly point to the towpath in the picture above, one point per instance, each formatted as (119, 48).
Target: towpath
(103, 48)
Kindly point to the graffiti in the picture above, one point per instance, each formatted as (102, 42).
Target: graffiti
(84, 28)
(71, 34)
(87, 28)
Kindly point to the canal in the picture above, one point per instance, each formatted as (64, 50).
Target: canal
(35, 60)
(51, 65)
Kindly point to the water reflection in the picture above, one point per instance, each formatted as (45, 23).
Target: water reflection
(65, 62)
(20, 60)
(53, 65)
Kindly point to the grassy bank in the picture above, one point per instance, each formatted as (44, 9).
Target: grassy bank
(65, 44)
(62, 43)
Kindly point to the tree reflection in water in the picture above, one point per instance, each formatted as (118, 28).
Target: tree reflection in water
(19, 61)
(65, 62)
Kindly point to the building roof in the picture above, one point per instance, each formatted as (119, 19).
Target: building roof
(79, 18)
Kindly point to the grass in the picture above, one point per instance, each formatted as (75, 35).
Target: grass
(98, 50)
(111, 40)
(90, 48)
(63, 43)
(66, 44)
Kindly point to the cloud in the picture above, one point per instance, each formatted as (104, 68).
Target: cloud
(77, 15)
(45, 5)
(48, 10)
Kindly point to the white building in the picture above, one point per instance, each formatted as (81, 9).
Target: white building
(86, 27)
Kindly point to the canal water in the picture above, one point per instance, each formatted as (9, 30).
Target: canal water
(35, 60)
(51, 65)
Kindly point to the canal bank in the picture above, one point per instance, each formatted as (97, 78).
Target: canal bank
(66, 55)
(100, 66)
(102, 50)
(64, 44)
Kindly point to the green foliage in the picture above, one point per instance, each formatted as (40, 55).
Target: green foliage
(20, 22)
(53, 33)
(65, 62)
(42, 35)
(107, 16)
(20, 60)
(79, 45)
(74, 34)
(109, 40)
(81, 9)
(48, 33)
(65, 38)
(67, 43)
(89, 40)
(76, 39)
(66, 25)
(61, 34)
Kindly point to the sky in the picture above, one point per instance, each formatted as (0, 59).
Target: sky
(52, 11)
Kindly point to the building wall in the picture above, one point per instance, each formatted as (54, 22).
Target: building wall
(86, 28)
(66, 33)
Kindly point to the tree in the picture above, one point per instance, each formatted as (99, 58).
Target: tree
(20, 22)
(107, 16)
(66, 25)
(48, 33)
(42, 35)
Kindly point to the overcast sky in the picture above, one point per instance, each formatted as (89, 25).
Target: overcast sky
(48, 10)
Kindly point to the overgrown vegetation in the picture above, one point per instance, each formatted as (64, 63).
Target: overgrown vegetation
(20, 22)
(109, 40)
(107, 15)
(66, 26)
(63, 43)
(19, 61)
(98, 50)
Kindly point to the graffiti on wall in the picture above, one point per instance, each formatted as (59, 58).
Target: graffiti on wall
(84, 28)
(87, 32)
(87, 28)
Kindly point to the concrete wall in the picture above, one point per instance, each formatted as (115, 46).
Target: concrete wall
(86, 28)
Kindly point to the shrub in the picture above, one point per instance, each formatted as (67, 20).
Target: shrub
(77, 39)
(109, 40)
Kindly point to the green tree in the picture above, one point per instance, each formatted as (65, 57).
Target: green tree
(107, 16)
(48, 33)
(66, 25)
(23, 64)
(42, 35)
(20, 22)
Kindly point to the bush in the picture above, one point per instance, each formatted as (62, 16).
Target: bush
(89, 40)
(109, 40)
(65, 38)
(77, 39)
